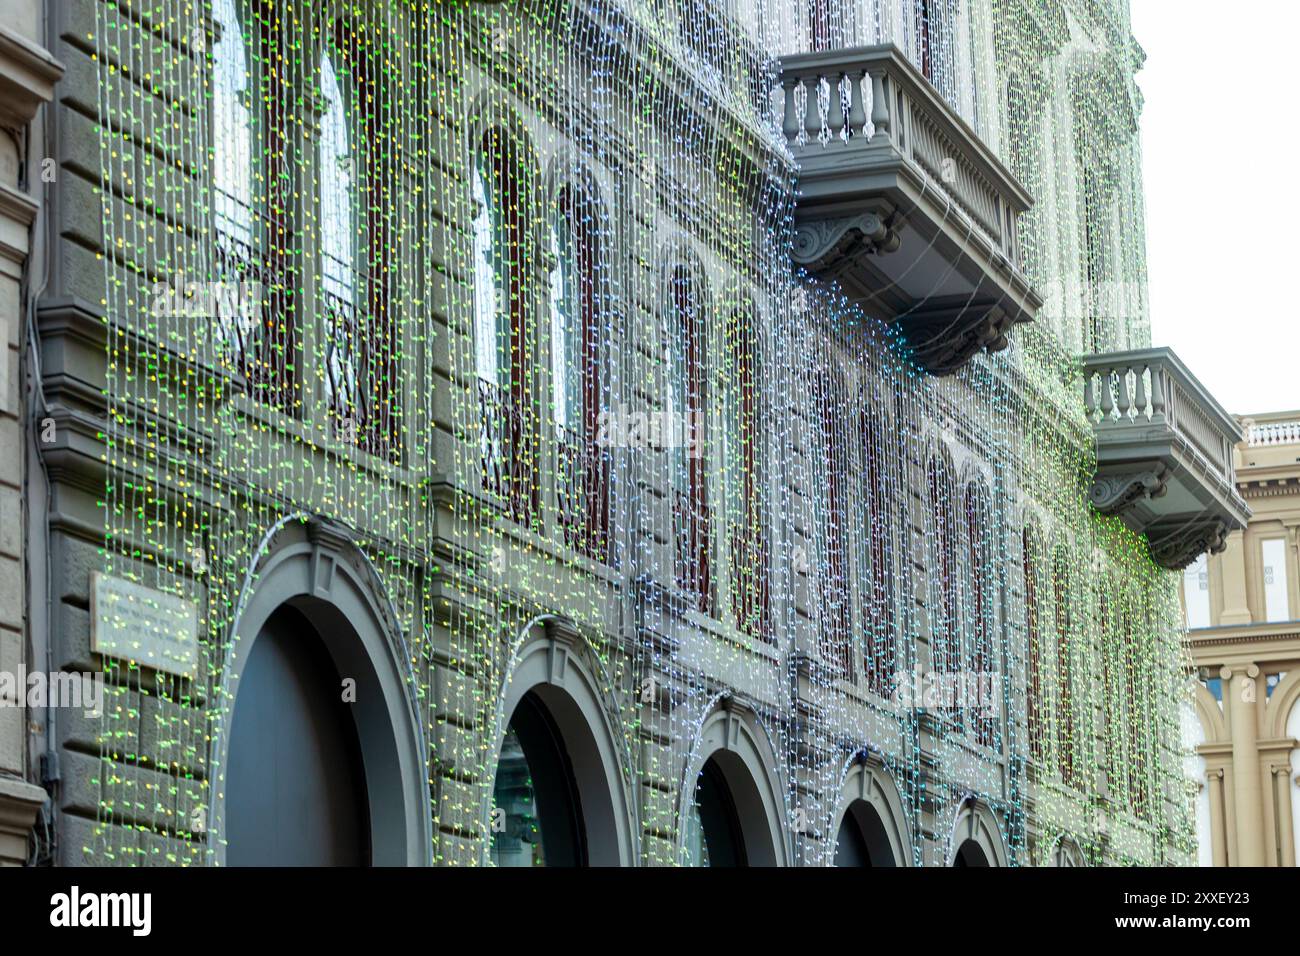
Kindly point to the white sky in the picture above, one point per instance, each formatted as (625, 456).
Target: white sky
(1221, 159)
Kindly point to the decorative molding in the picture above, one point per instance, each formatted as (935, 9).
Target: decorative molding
(1179, 548)
(27, 77)
(1115, 493)
(820, 242)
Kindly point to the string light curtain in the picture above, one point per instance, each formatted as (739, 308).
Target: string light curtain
(513, 303)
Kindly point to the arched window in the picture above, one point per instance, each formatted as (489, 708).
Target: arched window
(502, 347)
(1024, 145)
(750, 595)
(687, 397)
(254, 322)
(1034, 705)
(829, 26)
(1115, 711)
(577, 376)
(358, 255)
(338, 255)
(1136, 689)
(232, 149)
(946, 646)
(836, 573)
(881, 653)
(1067, 745)
(936, 44)
(979, 553)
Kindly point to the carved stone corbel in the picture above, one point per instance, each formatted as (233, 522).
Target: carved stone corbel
(1113, 494)
(1177, 549)
(818, 242)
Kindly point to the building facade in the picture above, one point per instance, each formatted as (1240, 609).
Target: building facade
(647, 432)
(1242, 608)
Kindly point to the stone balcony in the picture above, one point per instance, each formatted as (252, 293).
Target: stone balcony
(1164, 454)
(903, 205)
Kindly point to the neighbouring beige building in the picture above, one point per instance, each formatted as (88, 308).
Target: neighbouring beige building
(1244, 638)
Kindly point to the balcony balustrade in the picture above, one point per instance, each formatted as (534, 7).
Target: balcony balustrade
(1164, 454)
(903, 205)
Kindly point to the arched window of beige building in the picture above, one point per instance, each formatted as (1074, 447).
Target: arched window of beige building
(1196, 593)
(1274, 577)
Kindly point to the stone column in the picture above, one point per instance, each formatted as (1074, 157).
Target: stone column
(1282, 803)
(1218, 826)
(1241, 691)
(1232, 566)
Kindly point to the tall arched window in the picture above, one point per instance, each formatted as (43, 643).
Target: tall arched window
(577, 376)
(946, 646)
(936, 23)
(829, 25)
(1137, 689)
(750, 596)
(502, 346)
(1067, 745)
(881, 654)
(687, 397)
(1114, 712)
(357, 168)
(232, 149)
(979, 552)
(338, 255)
(1024, 146)
(253, 324)
(837, 592)
(1031, 551)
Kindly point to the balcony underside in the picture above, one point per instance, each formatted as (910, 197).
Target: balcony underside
(1164, 455)
(908, 260)
(1182, 509)
(902, 204)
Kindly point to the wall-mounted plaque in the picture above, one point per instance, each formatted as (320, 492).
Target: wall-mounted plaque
(149, 627)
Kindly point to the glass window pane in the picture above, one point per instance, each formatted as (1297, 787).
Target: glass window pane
(1275, 597)
(1196, 593)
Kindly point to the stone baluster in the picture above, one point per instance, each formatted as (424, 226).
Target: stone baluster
(835, 105)
(1090, 394)
(812, 116)
(1157, 393)
(857, 112)
(1107, 395)
(790, 122)
(1125, 400)
(879, 104)
(1140, 386)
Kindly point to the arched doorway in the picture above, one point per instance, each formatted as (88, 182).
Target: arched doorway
(970, 853)
(976, 836)
(733, 814)
(717, 835)
(863, 839)
(295, 786)
(536, 797)
(557, 795)
(318, 614)
(871, 827)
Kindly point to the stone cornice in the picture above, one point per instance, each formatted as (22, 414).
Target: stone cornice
(27, 77)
